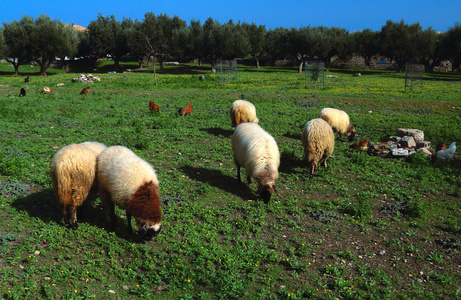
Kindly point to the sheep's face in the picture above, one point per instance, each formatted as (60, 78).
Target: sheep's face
(148, 232)
(265, 191)
(351, 132)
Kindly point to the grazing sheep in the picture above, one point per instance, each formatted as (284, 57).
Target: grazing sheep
(339, 122)
(242, 111)
(319, 142)
(256, 150)
(131, 183)
(95, 146)
(73, 175)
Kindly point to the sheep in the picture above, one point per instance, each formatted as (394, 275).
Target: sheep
(130, 183)
(73, 176)
(242, 111)
(339, 122)
(318, 141)
(256, 150)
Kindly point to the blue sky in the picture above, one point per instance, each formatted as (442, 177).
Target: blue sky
(351, 15)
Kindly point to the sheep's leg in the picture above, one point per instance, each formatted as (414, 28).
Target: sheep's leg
(249, 179)
(311, 169)
(129, 229)
(108, 208)
(323, 162)
(64, 214)
(73, 216)
(238, 174)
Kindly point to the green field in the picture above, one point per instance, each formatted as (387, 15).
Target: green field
(369, 228)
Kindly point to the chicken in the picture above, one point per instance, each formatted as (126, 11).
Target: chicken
(447, 153)
(22, 93)
(153, 106)
(85, 90)
(186, 110)
(26, 80)
(440, 146)
(47, 89)
(360, 145)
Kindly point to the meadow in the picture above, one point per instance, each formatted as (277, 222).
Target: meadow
(368, 228)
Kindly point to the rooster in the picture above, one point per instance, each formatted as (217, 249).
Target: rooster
(22, 93)
(186, 110)
(47, 89)
(26, 80)
(360, 145)
(85, 90)
(153, 106)
(446, 153)
(440, 146)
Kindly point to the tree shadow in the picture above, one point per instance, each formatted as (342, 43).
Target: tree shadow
(217, 179)
(218, 131)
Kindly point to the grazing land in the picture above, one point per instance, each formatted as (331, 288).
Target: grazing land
(368, 228)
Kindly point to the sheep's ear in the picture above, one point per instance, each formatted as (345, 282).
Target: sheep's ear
(142, 232)
(260, 189)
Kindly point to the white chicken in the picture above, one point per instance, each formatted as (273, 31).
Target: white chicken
(447, 153)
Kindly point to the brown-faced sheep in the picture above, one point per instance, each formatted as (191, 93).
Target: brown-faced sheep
(242, 111)
(73, 175)
(318, 141)
(130, 183)
(339, 122)
(256, 150)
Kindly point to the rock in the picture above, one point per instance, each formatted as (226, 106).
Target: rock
(425, 151)
(423, 144)
(395, 139)
(417, 134)
(400, 152)
(408, 141)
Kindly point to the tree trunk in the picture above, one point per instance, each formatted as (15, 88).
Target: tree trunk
(256, 56)
(155, 74)
(116, 64)
(43, 66)
(214, 65)
(66, 67)
(300, 68)
(16, 69)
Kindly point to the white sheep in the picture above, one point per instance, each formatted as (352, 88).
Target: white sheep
(318, 141)
(339, 122)
(73, 176)
(130, 183)
(256, 150)
(242, 111)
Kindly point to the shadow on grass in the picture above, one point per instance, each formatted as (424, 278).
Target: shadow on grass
(289, 162)
(218, 131)
(43, 205)
(217, 179)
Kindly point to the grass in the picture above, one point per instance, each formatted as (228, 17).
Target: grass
(369, 228)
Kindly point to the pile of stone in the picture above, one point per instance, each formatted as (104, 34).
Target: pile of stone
(86, 78)
(403, 144)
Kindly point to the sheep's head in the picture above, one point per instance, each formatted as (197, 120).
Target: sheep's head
(147, 231)
(350, 132)
(265, 191)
